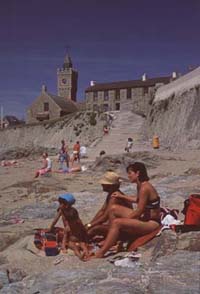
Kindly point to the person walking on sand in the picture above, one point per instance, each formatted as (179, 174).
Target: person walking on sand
(76, 152)
(129, 145)
(63, 155)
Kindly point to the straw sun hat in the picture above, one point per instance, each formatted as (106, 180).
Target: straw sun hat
(110, 178)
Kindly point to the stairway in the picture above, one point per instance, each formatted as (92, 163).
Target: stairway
(125, 124)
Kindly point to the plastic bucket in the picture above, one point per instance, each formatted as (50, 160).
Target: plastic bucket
(156, 143)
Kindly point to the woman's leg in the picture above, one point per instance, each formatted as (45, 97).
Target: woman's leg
(119, 211)
(98, 230)
(132, 226)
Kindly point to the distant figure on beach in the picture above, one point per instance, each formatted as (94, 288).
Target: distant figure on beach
(105, 130)
(63, 154)
(9, 162)
(102, 152)
(75, 234)
(129, 145)
(68, 170)
(83, 152)
(76, 152)
(47, 166)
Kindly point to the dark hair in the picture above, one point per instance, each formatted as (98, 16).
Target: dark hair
(139, 166)
(63, 201)
(102, 153)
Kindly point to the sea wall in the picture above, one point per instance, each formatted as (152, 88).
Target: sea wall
(83, 126)
(174, 113)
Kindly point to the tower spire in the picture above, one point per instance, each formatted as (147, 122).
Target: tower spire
(67, 59)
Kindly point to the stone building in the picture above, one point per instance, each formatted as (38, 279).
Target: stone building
(48, 106)
(121, 95)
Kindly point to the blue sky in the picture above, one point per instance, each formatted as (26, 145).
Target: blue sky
(109, 41)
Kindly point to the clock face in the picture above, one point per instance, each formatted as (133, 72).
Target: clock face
(63, 81)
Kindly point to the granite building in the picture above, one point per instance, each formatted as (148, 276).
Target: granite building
(49, 106)
(121, 95)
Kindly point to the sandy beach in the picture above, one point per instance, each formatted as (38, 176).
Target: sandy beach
(27, 203)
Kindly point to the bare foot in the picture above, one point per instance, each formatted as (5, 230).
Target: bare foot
(98, 254)
(63, 251)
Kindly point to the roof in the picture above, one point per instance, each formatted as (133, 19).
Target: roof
(11, 119)
(128, 84)
(67, 62)
(67, 105)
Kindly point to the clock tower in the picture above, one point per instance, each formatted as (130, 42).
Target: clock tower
(67, 79)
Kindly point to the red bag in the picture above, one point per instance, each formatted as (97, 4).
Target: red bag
(49, 242)
(192, 210)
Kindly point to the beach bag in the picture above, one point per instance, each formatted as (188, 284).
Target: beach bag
(192, 210)
(48, 242)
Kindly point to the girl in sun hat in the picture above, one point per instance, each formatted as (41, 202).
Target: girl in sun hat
(110, 178)
(110, 182)
(75, 235)
(68, 198)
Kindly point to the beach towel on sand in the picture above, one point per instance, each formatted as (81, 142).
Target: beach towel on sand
(141, 240)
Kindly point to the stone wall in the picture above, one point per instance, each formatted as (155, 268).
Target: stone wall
(83, 126)
(176, 119)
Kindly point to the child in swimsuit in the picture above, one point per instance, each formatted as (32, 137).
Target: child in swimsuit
(75, 234)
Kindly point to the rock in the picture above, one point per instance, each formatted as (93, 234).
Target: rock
(175, 273)
(121, 161)
(189, 241)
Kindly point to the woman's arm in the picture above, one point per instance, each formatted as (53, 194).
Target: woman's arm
(44, 164)
(142, 201)
(101, 218)
(58, 215)
(130, 198)
(99, 213)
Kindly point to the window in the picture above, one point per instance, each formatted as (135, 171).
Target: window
(117, 94)
(105, 107)
(95, 107)
(117, 106)
(46, 106)
(128, 93)
(95, 96)
(145, 90)
(106, 96)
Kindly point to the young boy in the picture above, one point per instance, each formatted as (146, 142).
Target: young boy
(75, 234)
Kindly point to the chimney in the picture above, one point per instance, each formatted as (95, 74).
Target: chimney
(144, 77)
(92, 83)
(44, 88)
(174, 75)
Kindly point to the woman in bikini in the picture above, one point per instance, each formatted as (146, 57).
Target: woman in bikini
(140, 221)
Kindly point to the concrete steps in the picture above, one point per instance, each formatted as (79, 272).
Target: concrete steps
(125, 125)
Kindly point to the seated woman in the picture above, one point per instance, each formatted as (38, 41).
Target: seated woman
(47, 166)
(140, 221)
(110, 183)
